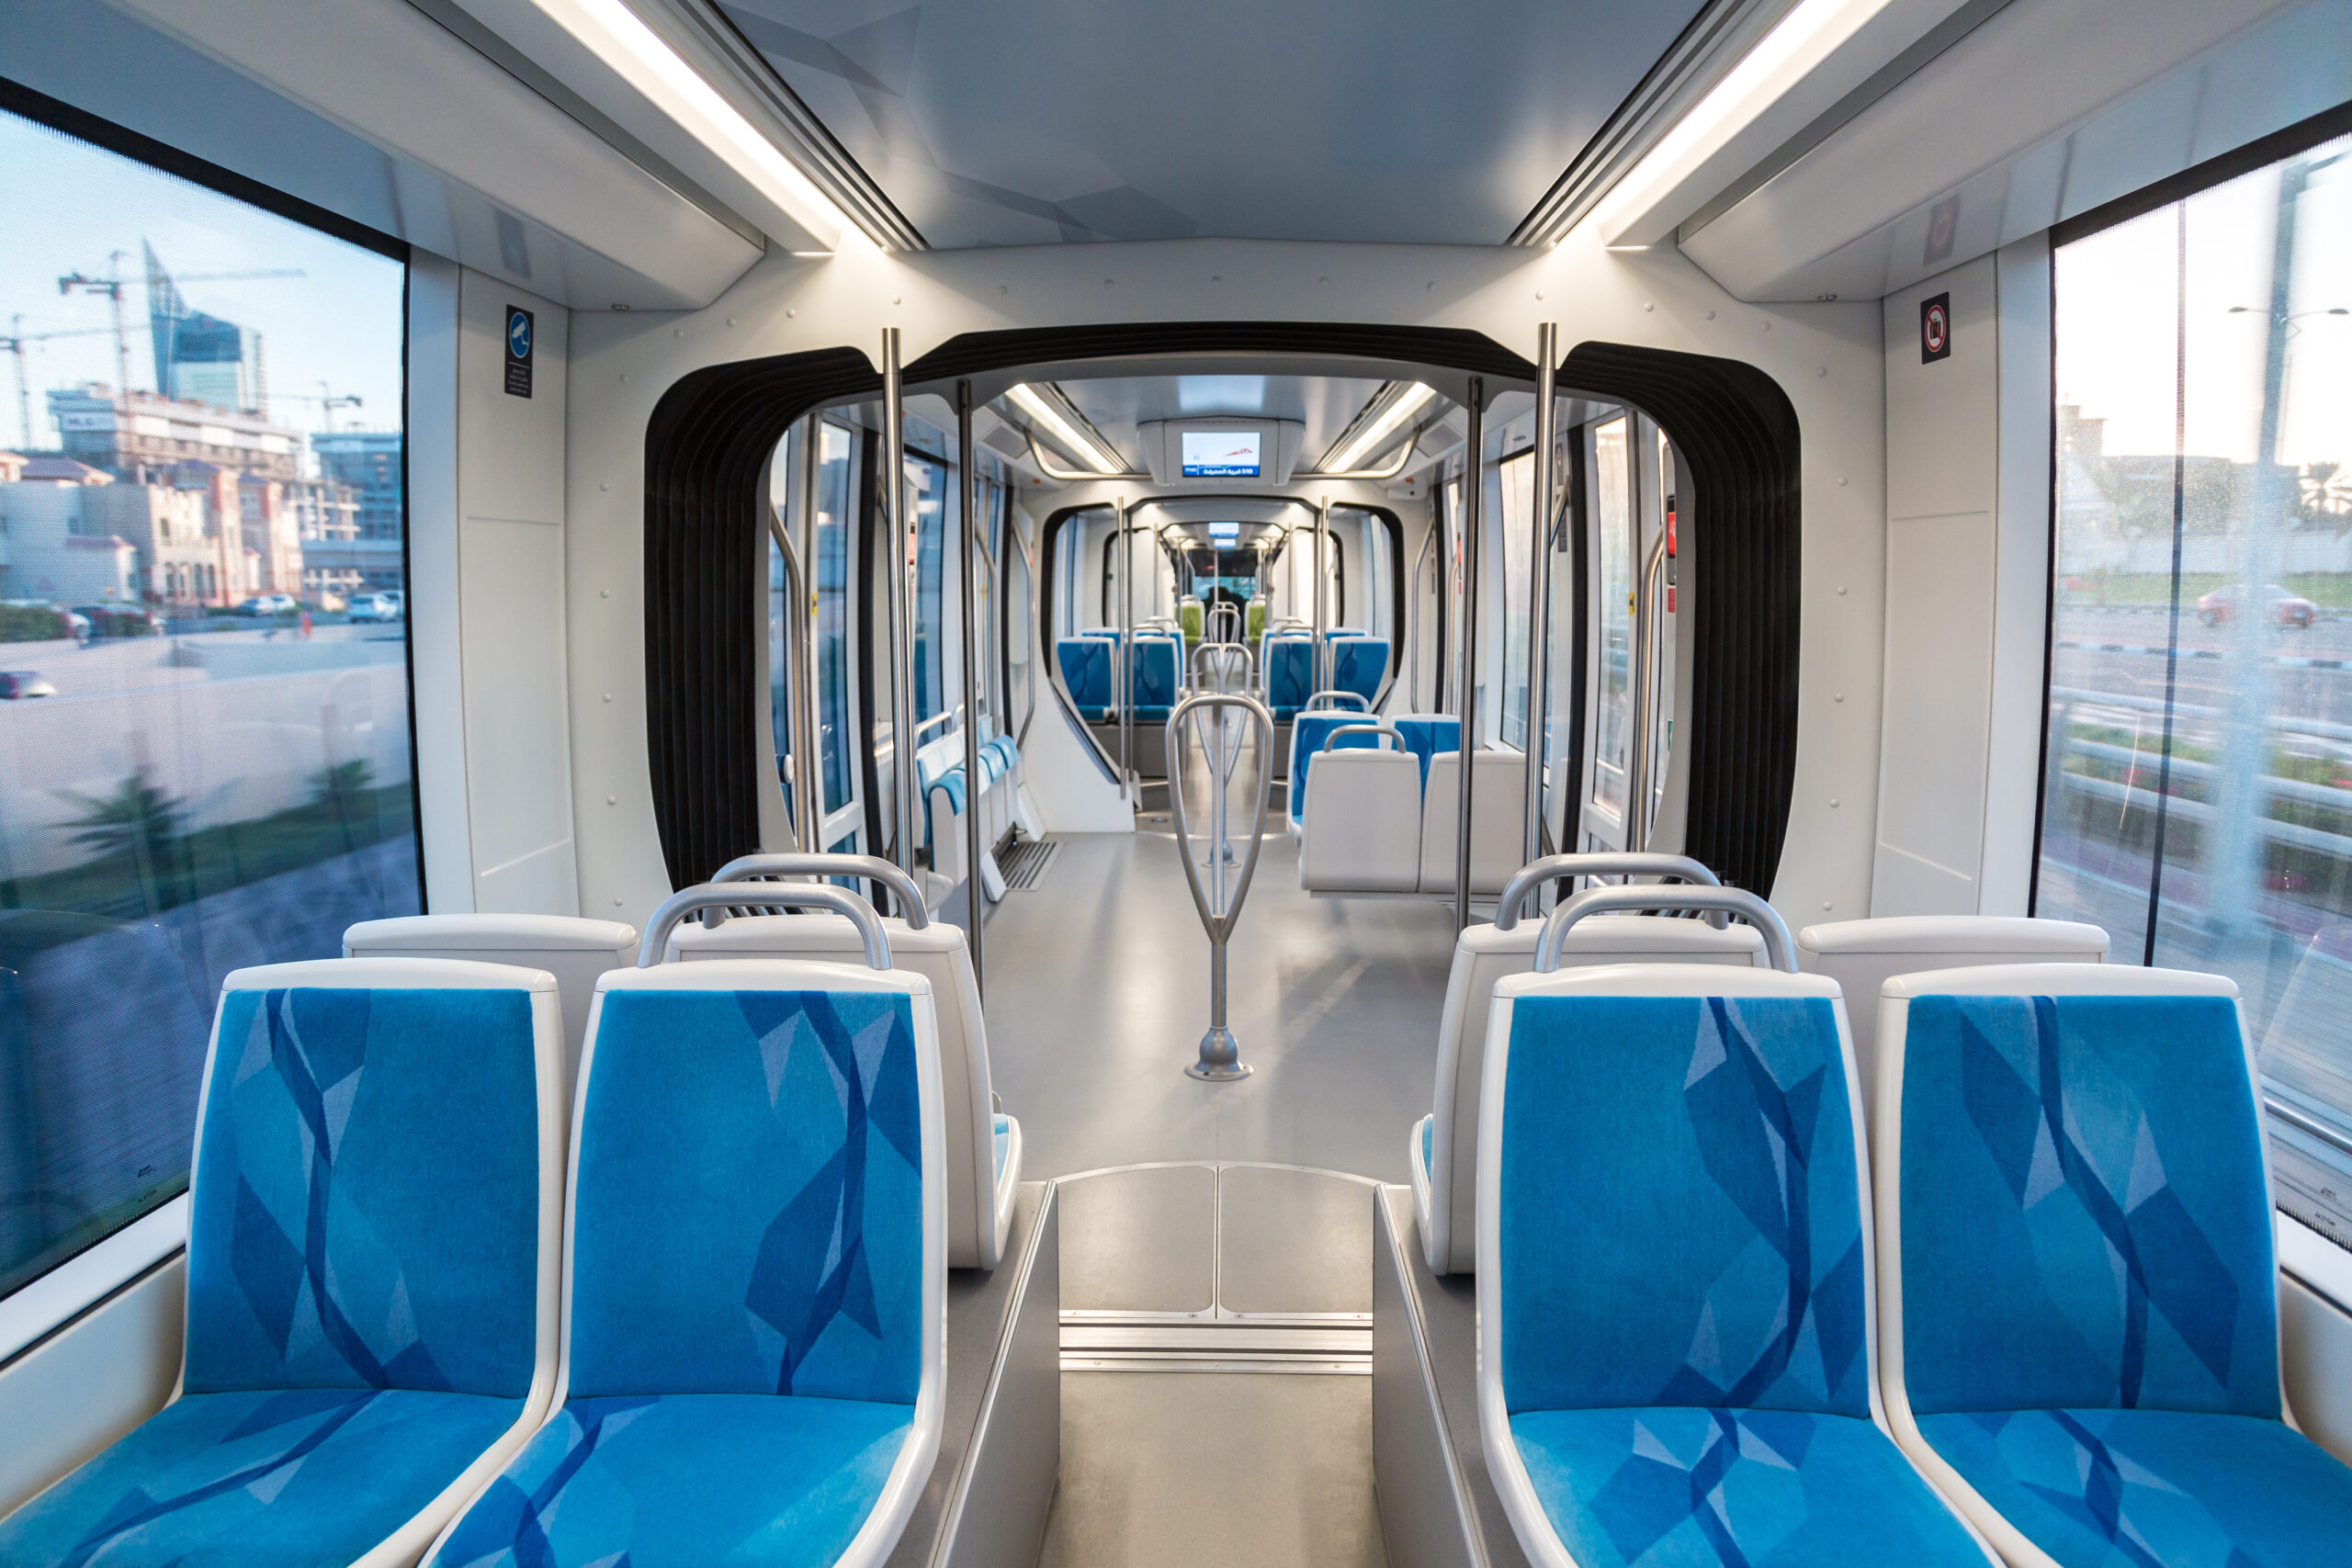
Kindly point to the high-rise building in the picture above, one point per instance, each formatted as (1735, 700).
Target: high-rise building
(129, 435)
(199, 359)
(371, 463)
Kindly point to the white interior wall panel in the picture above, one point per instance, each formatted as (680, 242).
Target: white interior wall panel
(2021, 581)
(91, 1382)
(1825, 357)
(437, 665)
(511, 606)
(1942, 459)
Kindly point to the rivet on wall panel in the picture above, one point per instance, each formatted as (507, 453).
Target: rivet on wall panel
(608, 697)
(1842, 481)
(612, 800)
(789, 314)
(1836, 697)
(604, 594)
(1833, 803)
(1841, 591)
(604, 484)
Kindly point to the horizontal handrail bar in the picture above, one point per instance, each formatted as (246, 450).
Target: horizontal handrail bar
(1603, 863)
(1746, 906)
(1381, 727)
(1363, 704)
(873, 868)
(801, 894)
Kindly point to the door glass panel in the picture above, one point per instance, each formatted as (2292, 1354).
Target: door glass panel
(833, 596)
(1515, 521)
(1612, 525)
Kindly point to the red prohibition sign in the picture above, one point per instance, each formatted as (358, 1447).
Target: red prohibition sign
(1937, 328)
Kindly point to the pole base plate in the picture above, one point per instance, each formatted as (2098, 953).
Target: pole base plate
(1220, 1059)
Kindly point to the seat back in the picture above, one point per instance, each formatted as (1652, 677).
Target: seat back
(1862, 955)
(1498, 808)
(378, 1192)
(1362, 825)
(1154, 661)
(938, 953)
(1310, 732)
(1289, 662)
(1085, 663)
(1616, 1097)
(2073, 1195)
(1483, 958)
(757, 1205)
(574, 951)
(1360, 664)
(1427, 734)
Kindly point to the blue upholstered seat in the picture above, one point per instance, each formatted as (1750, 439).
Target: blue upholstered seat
(1360, 664)
(1308, 732)
(2073, 1187)
(1698, 1392)
(1153, 665)
(1426, 735)
(1086, 671)
(1289, 660)
(370, 1331)
(757, 1267)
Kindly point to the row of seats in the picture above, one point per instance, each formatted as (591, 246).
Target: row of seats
(1376, 806)
(1860, 955)
(1358, 663)
(1155, 673)
(2031, 1318)
(438, 1305)
(946, 795)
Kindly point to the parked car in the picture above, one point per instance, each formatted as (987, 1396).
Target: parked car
(16, 685)
(269, 604)
(375, 607)
(2286, 609)
(120, 620)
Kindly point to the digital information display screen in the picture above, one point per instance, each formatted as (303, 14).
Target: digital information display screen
(1220, 454)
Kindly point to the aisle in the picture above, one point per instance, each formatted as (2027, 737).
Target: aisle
(1097, 995)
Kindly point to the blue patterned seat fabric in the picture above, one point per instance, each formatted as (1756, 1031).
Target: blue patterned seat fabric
(1153, 664)
(1695, 1393)
(2090, 1330)
(1308, 731)
(1000, 1136)
(1290, 673)
(1426, 735)
(1086, 671)
(745, 1324)
(1358, 664)
(355, 1339)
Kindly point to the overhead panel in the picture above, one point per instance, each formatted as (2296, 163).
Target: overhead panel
(1005, 122)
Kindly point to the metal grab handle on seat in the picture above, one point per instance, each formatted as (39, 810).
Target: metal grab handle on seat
(798, 894)
(1778, 946)
(1222, 654)
(1381, 727)
(1220, 906)
(1602, 863)
(873, 868)
(1363, 704)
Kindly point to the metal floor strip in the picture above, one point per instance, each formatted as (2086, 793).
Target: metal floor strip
(1025, 865)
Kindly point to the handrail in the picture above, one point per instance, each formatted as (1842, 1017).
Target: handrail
(1641, 761)
(873, 868)
(1778, 944)
(1220, 1055)
(803, 895)
(1224, 651)
(1363, 704)
(1607, 864)
(2306, 1123)
(1381, 728)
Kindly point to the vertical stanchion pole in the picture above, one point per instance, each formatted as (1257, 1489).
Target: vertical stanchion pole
(1125, 683)
(902, 705)
(1472, 486)
(1219, 902)
(1539, 590)
(969, 505)
(1322, 578)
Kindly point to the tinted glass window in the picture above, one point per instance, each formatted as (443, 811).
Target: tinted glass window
(205, 760)
(2197, 800)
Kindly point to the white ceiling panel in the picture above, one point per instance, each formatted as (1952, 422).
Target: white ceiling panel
(1017, 122)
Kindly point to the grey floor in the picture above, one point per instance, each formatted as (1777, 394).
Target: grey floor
(1098, 994)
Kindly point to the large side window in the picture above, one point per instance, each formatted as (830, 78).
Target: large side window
(2196, 792)
(205, 756)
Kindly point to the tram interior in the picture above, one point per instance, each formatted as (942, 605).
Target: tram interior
(811, 783)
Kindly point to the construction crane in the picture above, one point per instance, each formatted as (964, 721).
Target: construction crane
(114, 283)
(15, 344)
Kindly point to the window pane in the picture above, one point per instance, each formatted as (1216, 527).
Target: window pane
(1518, 477)
(927, 488)
(1613, 612)
(204, 701)
(832, 615)
(2200, 715)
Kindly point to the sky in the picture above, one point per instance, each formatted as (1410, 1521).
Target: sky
(68, 204)
(2119, 320)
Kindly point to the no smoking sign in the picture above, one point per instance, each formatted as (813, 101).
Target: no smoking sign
(1935, 329)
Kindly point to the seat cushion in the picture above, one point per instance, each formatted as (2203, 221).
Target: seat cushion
(1688, 1487)
(2123, 1488)
(686, 1479)
(289, 1478)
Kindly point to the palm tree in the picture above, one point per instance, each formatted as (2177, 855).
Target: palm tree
(140, 822)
